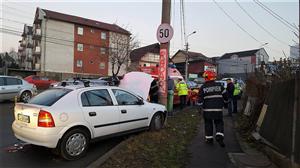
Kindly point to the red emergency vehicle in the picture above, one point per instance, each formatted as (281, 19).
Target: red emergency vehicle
(174, 74)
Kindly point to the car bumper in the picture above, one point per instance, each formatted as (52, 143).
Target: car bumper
(47, 137)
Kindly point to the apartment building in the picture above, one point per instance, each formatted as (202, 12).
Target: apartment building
(25, 49)
(70, 44)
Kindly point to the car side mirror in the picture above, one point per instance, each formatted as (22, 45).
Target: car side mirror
(140, 102)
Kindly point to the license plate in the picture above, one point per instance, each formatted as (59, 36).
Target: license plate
(23, 118)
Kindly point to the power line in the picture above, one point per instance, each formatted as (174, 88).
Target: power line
(16, 9)
(262, 27)
(18, 33)
(15, 21)
(237, 24)
(13, 14)
(276, 16)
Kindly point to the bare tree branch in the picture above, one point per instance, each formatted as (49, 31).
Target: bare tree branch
(120, 50)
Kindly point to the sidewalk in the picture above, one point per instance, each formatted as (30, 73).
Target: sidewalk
(235, 154)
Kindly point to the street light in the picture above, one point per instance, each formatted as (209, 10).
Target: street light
(187, 54)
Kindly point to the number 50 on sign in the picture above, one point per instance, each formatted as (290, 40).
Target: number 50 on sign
(164, 33)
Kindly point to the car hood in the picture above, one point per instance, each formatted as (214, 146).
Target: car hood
(137, 82)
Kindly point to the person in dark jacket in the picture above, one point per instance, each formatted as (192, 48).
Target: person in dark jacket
(230, 90)
(211, 98)
(154, 91)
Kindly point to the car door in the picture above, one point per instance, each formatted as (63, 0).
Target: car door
(12, 87)
(3, 94)
(100, 112)
(133, 114)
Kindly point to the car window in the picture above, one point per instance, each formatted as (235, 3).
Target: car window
(49, 97)
(125, 98)
(13, 81)
(1, 81)
(96, 98)
(35, 77)
(44, 78)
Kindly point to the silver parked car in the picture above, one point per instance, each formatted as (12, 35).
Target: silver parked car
(10, 87)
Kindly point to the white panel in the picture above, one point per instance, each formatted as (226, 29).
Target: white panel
(59, 47)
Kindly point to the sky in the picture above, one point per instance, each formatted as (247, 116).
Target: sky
(216, 32)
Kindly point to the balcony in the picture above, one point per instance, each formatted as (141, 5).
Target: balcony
(37, 34)
(23, 43)
(37, 66)
(37, 50)
(20, 48)
(29, 43)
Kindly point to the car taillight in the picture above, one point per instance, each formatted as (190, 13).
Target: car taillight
(45, 119)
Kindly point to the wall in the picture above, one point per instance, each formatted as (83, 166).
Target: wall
(59, 54)
(179, 58)
(238, 66)
(91, 54)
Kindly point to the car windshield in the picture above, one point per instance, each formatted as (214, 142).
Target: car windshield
(49, 97)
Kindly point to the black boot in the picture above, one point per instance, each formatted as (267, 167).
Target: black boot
(219, 139)
(209, 141)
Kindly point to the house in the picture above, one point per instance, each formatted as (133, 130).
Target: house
(294, 53)
(147, 56)
(25, 49)
(197, 63)
(239, 64)
(70, 44)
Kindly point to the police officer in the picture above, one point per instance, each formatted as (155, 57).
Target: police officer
(236, 95)
(211, 99)
(182, 89)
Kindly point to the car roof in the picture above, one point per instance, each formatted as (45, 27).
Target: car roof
(81, 87)
(11, 76)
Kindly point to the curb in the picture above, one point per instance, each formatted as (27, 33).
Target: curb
(97, 163)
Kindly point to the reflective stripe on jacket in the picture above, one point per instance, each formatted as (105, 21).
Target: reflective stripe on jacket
(237, 89)
(182, 89)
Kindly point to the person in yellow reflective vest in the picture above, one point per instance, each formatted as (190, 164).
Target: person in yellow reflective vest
(236, 95)
(182, 89)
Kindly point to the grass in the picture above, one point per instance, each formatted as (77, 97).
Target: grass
(165, 148)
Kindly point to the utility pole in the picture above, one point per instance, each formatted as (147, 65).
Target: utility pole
(186, 62)
(164, 50)
(187, 56)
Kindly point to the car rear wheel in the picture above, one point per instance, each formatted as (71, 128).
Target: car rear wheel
(156, 122)
(74, 144)
(25, 96)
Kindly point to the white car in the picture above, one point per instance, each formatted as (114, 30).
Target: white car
(67, 118)
(11, 87)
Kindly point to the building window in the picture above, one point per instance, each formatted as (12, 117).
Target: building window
(79, 47)
(80, 30)
(103, 35)
(102, 65)
(79, 63)
(92, 31)
(102, 50)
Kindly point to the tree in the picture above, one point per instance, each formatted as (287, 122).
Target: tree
(119, 52)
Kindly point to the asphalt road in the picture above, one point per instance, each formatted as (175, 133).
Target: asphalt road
(14, 153)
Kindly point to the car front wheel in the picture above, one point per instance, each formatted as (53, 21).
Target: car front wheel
(156, 122)
(74, 144)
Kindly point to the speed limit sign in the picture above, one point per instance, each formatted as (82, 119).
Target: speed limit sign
(164, 33)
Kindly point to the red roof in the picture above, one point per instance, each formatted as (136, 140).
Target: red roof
(83, 21)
